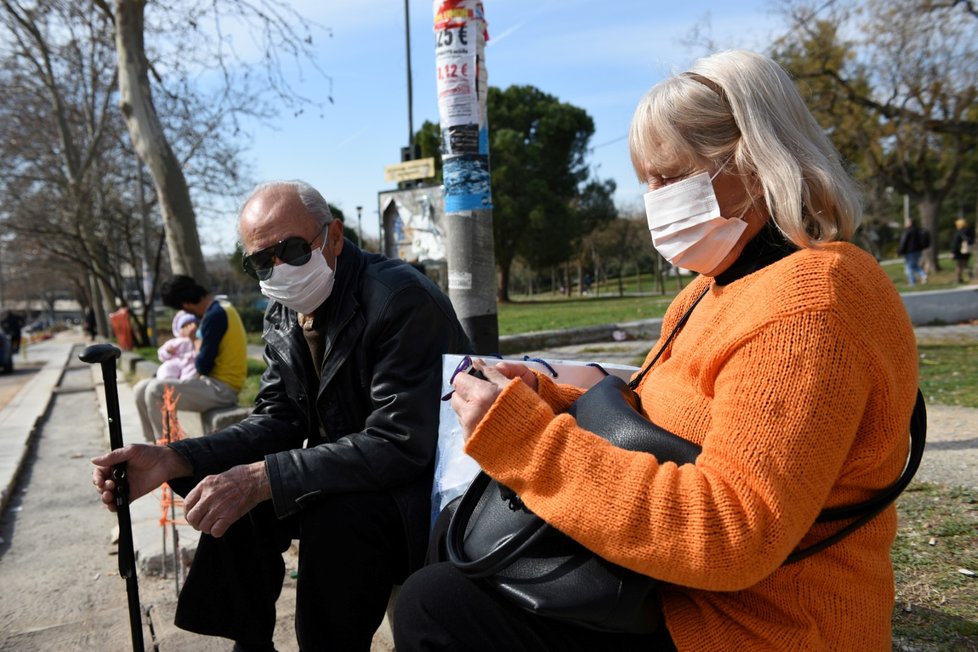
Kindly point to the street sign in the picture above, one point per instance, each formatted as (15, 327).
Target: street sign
(423, 168)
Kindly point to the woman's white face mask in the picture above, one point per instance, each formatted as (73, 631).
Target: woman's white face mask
(686, 225)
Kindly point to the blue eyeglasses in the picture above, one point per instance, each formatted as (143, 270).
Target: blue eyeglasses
(464, 366)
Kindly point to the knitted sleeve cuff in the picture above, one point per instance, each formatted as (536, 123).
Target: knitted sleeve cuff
(507, 434)
(557, 396)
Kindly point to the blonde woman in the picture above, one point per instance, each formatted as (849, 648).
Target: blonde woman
(796, 373)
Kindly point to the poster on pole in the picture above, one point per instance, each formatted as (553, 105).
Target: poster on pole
(460, 30)
(414, 219)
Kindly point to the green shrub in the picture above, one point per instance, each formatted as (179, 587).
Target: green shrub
(252, 318)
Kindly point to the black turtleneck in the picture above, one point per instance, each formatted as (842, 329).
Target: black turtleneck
(768, 246)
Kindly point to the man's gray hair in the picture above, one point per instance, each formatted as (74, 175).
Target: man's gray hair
(309, 196)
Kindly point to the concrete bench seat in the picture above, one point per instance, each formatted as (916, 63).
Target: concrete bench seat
(197, 424)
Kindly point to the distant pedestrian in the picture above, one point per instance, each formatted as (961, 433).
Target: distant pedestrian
(12, 324)
(913, 241)
(961, 245)
(90, 325)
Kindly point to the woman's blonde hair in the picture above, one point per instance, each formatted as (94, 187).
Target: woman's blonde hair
(743, 107)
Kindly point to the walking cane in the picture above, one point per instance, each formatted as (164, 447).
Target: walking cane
(106, 355)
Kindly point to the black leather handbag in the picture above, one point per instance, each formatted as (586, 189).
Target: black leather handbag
(494, 537)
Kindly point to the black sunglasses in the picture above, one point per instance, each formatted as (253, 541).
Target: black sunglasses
(291, 251)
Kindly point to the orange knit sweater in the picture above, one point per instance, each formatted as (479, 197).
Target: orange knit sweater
(798, 381)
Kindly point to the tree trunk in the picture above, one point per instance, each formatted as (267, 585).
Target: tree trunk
(149, 140)
(929, 207)
(504, 271)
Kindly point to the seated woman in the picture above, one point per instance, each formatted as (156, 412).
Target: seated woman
(796, 373)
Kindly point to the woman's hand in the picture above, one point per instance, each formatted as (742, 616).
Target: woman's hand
(473, 396)
(518, 370)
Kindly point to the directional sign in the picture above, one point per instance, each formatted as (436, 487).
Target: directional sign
(423, 168)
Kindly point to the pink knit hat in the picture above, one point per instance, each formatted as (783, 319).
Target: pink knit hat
(181, 319)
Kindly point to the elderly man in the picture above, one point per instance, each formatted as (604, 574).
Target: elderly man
(339, 450)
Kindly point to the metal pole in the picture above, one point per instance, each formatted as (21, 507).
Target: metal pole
(1, 276)
(360, 226)
(460, 48)
(380, 233)
(410, 103)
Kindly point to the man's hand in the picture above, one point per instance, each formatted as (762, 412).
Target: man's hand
(147, 467)
(220, 500)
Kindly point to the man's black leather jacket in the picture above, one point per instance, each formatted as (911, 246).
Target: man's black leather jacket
(377, 401)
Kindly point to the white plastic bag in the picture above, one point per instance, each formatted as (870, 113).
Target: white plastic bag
(454, 469)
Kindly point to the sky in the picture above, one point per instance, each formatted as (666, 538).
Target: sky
(599, 55)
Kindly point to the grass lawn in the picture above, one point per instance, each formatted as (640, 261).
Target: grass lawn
(936, 603)
(526, 314)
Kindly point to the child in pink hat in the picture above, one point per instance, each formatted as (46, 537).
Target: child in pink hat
(177, 354)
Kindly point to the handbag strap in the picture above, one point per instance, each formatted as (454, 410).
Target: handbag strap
(675, 330)
(868, 509)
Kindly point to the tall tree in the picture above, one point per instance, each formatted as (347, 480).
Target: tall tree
(63, 141)
(279, 31)
(151, 142)
(908, 65)
(617, 241)
(593, 208)
(61, 163)
(539, 147)
(543, 198)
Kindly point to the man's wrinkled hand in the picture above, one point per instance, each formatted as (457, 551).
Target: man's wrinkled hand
(220, 500)
(147, 467)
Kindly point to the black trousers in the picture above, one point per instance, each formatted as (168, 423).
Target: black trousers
(438, 608)
(351, 553)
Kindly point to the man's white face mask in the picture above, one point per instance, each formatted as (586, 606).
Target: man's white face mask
(302, 288)
(686, 226)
